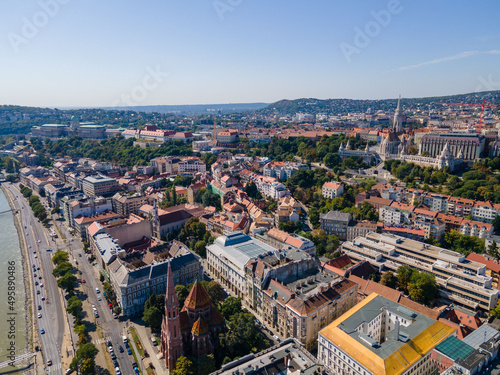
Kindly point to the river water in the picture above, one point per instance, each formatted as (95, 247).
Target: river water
(12, 313)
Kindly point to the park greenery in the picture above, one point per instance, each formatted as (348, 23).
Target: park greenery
(116, 150)
(481, 182)
(420, 286)
(34, 202)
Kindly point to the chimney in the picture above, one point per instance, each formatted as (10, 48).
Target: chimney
(396, 330)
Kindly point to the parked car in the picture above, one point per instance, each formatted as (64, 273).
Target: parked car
(129, 352)
(49, 363)
(120, 348)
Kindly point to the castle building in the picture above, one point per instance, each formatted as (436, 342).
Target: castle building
(192, 330)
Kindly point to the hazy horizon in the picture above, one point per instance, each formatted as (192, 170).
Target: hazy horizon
(63, 53)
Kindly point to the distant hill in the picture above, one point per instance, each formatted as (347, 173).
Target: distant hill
(198, 109)
(344, 106)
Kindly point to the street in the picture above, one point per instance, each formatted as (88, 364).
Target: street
(52, 314)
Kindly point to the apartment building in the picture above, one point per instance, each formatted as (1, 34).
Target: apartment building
(332, 189)
(379, 336)
(229, 254)
(336, 223)
(361, 228)
(99, 185)
(302, 307)
(461, 281)
(281, 169)
(393, 215)
(124, 204)
(229, 136)
(279, 239)
(191, 165)
(84, 206)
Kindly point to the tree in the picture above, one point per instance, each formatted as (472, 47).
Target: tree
(182, 293)
(79, 329)
(404, 274)
(59, 257)
(61, 269)
(117, 310)
(493, 250)
(200, 248)
(496, 224)
(67, 282)
(243, 337)
(74, 306)
(252, 190)
(110, 292)
(205, 364)
(214, 290)
(153, 311)
(496, 312)
(83, 361)
(389, 280)
(230, 306)
(183, 366)
(423, 288)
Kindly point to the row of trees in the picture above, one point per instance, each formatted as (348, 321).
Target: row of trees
(116, 149)
(420, 286)
(34, 202)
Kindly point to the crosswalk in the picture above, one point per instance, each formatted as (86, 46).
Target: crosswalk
(100, 341)
(54, 369)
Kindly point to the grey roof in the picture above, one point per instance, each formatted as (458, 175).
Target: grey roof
(370, 311)
(480, 336)
(336, 215)
(107, 246)
(273, 361)
(238, 249)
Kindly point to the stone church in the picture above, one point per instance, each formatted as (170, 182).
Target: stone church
(192, 330)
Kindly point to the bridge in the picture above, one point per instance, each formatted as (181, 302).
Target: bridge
(4, 212)
(17, 359)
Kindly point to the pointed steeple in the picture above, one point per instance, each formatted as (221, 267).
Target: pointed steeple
(348, 146)
(341, 148)
(171, 299)
(460, 154)
(171, 336)
(397, 125)
(367, 149)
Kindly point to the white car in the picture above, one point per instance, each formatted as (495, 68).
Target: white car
(39, 315)
(39, 241)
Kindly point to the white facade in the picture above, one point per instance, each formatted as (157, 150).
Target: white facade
(332, 189)
(393, 215)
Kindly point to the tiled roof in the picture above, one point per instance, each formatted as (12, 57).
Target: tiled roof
(198, 298)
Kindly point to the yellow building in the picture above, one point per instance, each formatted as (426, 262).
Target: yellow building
(378, 337)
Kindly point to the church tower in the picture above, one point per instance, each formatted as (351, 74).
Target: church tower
(171, 338)
(397, 125)
(155, 222)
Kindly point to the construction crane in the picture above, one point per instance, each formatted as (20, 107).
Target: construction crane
(483, 105)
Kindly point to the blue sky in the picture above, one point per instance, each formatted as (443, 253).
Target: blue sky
(103, 53)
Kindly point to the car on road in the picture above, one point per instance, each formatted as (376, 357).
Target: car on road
(110, 305)
(120, 348)
(39, 307)
(276, 337)
(34, 251)
(129, 352)
(68, 371)
(99, 298)
(49, 363)
(83, 281)
(42, 331)
(38, 268)
(37, 292)
(43, 298)
(39, 241)
(36, 256)
(39, 315)
(41, 285)
(80, 255)
(36, 282)
(97, 290)
(34, 275)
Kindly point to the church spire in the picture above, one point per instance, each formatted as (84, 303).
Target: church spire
(397, 125)
(171, 337)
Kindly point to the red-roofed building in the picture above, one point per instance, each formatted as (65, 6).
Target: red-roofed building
(492, 267)
(332, 189)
